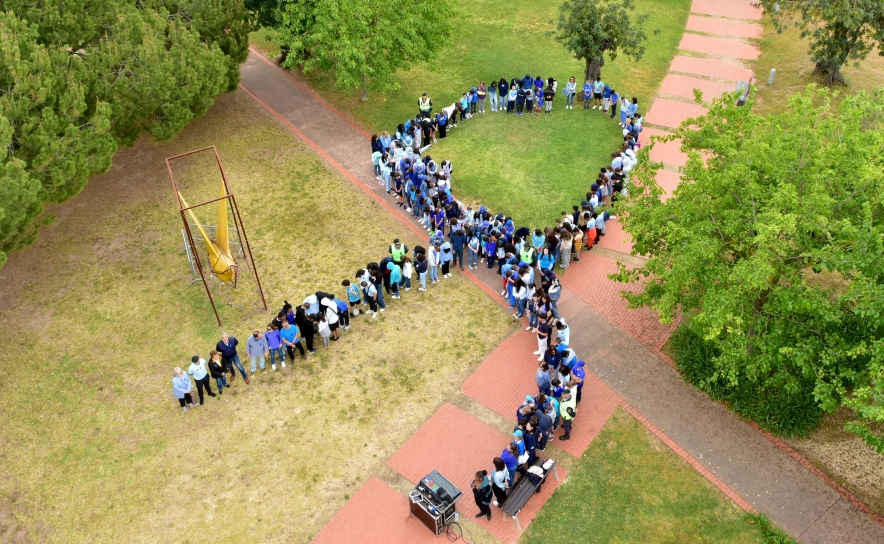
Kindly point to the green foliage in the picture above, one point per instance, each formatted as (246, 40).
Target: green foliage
(591, 29)
(862, 430)
(839, 31)
(773, 243)
(782, 412)
(81, 77)
(770, 533)
(364, 42)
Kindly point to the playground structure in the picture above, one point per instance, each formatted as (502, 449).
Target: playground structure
(222, 262)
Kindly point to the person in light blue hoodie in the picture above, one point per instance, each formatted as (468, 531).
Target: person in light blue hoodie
(445, 257)
(182, 389)
(395, 277)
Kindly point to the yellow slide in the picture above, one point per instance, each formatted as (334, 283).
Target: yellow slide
(222, 262)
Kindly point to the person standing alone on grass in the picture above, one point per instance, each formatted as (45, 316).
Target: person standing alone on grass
(257, 349)
(227, 348)
(482, 493)
(425, 104)
(200, 374)
(181, 389)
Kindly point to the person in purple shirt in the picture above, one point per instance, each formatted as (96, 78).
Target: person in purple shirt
(274, 343)
(227, 348)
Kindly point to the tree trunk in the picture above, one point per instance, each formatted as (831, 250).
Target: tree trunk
(594, 68)
(831, 73)
(364, 97)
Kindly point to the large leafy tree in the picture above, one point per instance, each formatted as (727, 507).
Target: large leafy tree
(773, 245)
(839, 31)
(80, 77)
(364, 42)
(592, 29)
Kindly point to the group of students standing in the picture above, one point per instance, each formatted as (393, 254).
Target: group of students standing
(292, 332)
(560, 379)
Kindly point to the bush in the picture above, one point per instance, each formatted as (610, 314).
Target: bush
(783, 412)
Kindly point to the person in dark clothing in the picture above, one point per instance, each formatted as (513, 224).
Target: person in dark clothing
(386, 273)
(227, 348)
(482, 493)
(544, 428)
(216, 369)
(458, 239)
(530, 440)
(305, 326)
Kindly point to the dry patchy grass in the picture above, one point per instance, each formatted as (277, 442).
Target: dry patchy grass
(97, 312)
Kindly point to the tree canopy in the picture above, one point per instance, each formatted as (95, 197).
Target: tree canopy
(591, 29)
(364, 42)
(838, 31)
(772, 245)
(81, 77)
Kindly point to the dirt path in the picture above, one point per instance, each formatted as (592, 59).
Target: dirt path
(731, 451)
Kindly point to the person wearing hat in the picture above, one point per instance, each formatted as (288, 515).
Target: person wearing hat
(397, 251)
(568, 410)
(200, 373)
(517, 438)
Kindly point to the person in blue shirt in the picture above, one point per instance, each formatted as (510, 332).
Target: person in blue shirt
(578, 374)
(606, 97)
(527, 81)
(598, 87)
(442, 123)
(445, 258)
(615, 100)
(474, 100)
(587, 94)
(291, 339)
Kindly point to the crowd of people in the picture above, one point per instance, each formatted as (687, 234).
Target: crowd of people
(525, 259)
(293, 330)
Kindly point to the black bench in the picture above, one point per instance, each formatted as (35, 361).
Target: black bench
(523, 490)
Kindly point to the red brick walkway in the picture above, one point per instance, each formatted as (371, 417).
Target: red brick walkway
(671, 113)
(735, 9)
(588, 280)
(457, 445)
(377, 514)
(683, 86)
(723, 27)
(713, 68)
(720, 47)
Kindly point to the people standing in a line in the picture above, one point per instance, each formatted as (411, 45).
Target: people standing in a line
(615, 101)
(227, 347)
(421, 268)
(200, 373)
(587, 94)
(500, 478)
(181, 389)
(482, 493)
(291, 339)
(568, 410)
(216, 369)
(548, 96)
(542, 335)
(257, 349)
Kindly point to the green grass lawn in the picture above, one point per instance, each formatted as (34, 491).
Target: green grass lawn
(529, 168)
(787, 52)
(629, 487)
(98, 311)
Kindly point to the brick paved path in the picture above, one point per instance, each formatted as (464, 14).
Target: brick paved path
(618, 345)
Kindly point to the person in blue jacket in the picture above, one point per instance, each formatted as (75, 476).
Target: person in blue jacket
(578, 374)
(458, 239)
(527, 82)
(442, 123)
(545, 260)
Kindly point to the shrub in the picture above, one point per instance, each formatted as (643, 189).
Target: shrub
(785, 411)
